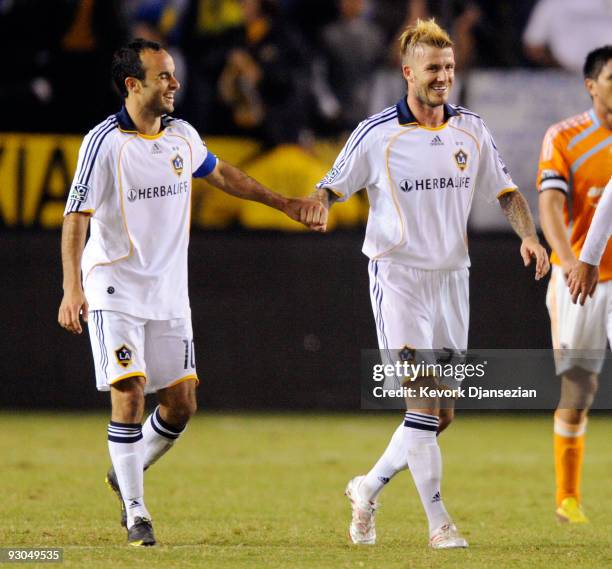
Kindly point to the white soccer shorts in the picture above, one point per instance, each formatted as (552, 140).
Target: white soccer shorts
(579, 333)
(418, 309)
(124, 346)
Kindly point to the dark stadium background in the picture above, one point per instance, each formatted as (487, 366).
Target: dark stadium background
(279, 316)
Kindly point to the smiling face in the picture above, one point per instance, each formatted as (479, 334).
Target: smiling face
(430, 73)
(155, 93)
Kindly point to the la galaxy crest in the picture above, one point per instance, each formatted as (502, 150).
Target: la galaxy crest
(177, 164)
(461, 159)
(407, 354)
(124, 356)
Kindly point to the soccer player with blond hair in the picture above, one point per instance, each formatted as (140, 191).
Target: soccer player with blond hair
(421, 162)
(575, 166)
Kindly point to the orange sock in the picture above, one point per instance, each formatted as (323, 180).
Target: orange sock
(569, 455)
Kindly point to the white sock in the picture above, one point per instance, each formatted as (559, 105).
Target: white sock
(159, 437)
(126, 448)
(425, 463)
(392, 461)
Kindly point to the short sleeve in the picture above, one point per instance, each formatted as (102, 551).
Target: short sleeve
(92, 176)
(203, 161)
(553, 170)
(352, 169)
(493, 175)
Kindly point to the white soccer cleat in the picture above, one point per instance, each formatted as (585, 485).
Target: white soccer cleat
(362, 529)
(447, 537)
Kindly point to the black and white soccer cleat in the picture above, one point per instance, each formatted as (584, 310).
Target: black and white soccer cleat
(141, 533)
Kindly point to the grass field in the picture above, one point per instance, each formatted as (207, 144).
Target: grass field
(267, 491)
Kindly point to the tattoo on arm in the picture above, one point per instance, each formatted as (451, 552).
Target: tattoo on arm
(516, 209)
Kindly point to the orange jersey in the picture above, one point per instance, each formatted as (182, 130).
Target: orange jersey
(576, 159)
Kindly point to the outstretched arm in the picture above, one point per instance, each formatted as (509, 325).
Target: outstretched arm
(235, 182)
(516, 209)
(74, 303)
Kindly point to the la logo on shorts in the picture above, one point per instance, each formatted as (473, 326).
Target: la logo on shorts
(407, 354)
(124, 356)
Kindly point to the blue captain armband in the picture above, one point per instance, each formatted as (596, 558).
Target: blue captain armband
(206, 167)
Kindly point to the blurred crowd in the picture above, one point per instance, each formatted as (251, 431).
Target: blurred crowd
(281, 71)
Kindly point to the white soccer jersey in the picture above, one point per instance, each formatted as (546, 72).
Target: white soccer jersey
(138, 191)
(420, 183)
(599, 230)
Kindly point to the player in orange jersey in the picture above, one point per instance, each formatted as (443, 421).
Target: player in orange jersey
(575, 166)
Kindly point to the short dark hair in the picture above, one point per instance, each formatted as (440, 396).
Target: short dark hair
(127, 63)
(596, 60)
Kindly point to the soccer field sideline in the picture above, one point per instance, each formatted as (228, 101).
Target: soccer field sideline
(266, 490)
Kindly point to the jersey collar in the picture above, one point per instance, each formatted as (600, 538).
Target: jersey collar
(126, 124)
(405, 116)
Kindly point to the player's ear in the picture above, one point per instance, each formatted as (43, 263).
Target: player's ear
(406, 71)
(590, 86)
(132, 84)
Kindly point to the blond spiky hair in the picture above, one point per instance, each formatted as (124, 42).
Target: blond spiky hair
(424, 32)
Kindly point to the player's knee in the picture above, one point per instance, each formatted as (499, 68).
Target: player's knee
(127, 398)
(181, 411)
(578, 390)
(188, 409)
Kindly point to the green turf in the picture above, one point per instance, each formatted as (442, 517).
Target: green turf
(267, 491)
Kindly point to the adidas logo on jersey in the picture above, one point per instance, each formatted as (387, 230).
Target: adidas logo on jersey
(436, 141)
(436, 498)
(156, 149)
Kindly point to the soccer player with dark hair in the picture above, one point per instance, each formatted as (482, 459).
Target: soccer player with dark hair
(575, 166)
(133, 188)
(421, 162)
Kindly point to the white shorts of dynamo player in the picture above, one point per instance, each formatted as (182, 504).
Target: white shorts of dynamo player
(121, 342)
(579, 333)
(420, 315)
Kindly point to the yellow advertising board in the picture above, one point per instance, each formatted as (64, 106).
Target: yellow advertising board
(36, 171)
